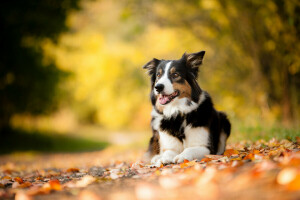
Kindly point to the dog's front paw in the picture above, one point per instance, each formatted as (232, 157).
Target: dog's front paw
(191, 153)
(166, 158)
(181, 157)
(155, 159)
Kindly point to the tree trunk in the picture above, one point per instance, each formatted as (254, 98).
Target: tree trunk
(287, 115)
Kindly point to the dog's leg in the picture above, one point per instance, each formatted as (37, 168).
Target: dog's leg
(170, 147)
(195, 144)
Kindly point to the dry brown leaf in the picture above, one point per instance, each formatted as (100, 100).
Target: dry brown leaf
(72, 170)
(19, 180)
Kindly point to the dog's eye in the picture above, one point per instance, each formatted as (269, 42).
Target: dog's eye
(158, 75)
(175, 75)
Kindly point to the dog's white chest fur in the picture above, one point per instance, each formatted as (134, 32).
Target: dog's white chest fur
(193, 146)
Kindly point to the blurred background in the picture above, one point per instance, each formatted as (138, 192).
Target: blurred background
(71, 76)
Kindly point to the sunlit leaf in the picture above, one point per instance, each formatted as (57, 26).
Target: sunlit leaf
(55, 184)
(230, 152)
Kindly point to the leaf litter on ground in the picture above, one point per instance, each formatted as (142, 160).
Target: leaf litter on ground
(247, 170)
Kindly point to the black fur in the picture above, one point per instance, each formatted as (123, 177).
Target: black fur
(173, 126)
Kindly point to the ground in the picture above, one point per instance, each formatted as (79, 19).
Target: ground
(247, 170)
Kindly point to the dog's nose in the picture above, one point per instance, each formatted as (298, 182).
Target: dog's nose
(159, 87)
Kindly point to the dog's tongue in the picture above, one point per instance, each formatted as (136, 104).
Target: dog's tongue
(163, 99)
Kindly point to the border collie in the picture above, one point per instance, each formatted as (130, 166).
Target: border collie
(184, 121)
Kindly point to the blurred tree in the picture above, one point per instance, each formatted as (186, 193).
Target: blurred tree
(263, 33)
(251, 66)
(27, 84)
(269, 32)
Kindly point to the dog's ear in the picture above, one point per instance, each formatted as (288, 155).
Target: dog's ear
(194, 60)
(151, 66)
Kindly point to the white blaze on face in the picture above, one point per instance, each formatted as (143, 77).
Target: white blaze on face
(168, 87)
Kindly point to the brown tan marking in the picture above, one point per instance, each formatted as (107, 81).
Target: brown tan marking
(184, 89)
(172, 70)
(154, 147)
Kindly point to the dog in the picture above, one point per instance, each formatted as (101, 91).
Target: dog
(184, 123)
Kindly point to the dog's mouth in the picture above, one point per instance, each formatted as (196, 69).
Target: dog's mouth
(165, 99)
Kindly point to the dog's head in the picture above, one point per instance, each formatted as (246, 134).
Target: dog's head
(173, 82)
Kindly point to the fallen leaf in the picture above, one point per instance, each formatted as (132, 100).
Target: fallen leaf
(187, 164)
(72, 170)
(19, 180)
(205, 159)
(250, 156)
(55, 184)
(230, 152)
(6, 177)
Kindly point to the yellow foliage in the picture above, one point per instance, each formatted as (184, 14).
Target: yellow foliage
(107, 47)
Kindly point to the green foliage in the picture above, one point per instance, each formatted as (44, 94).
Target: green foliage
(19, 140)
(27, 84)
(247, 133)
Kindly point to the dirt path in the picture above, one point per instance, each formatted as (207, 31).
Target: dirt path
(260, 170)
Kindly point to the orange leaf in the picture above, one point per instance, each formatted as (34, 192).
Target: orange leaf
(255, 151)
(250, 156)
(19, 180)
(187, 164)
(55, 184)
(183, 165)
(205, 159)
(185, 161)
(73, 170)
(6, 177)
(230, 152)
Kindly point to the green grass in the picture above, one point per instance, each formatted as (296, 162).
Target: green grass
(20, 140)
(266, 133)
